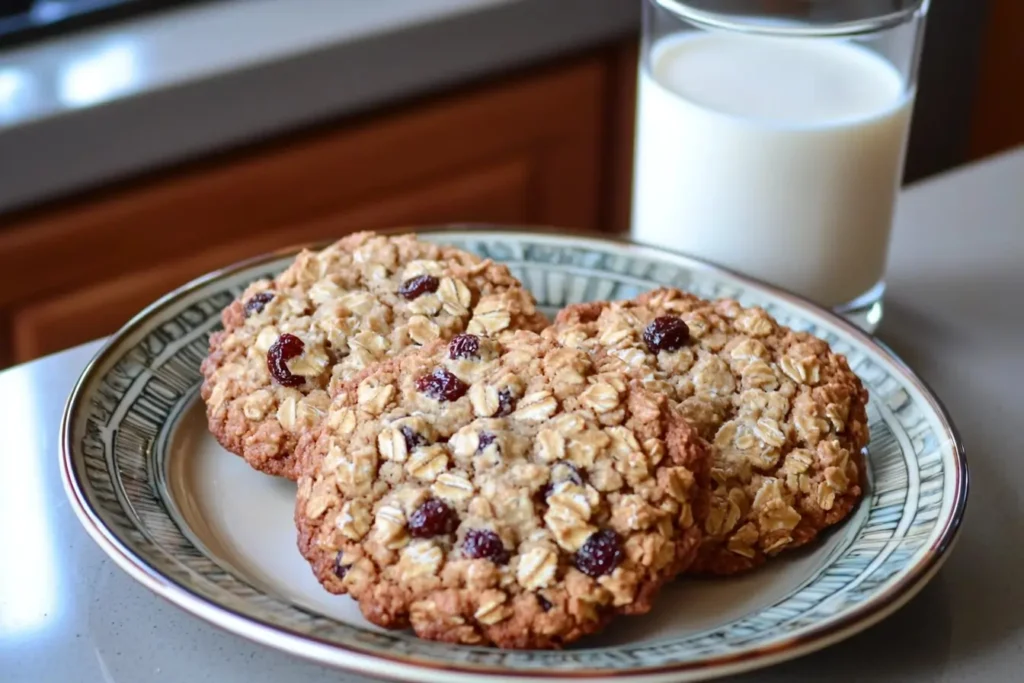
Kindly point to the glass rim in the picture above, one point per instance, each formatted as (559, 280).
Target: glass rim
(743, 23)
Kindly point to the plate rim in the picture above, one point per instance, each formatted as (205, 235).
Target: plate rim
(400, 667)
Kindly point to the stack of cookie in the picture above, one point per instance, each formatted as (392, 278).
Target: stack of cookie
(484, 477)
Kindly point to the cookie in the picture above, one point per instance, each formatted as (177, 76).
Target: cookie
(328, 316)
(784, 415)
(498, 492)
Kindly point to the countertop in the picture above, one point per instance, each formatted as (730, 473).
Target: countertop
(953, 313)
(210, 76)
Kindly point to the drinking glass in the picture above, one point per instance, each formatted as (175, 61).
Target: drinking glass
(771, 137)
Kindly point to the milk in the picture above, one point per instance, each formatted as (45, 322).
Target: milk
(777, 157)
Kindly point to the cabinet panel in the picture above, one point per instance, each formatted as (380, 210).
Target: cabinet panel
(554, 115)
(621, 133)
(498, 193)
(998, 121)
(528, 148)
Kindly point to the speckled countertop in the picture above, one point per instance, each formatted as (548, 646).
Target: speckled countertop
(81, 110)
(67, 613)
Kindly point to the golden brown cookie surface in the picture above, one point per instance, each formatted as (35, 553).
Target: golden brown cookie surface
(498, 491)
(328, 316)
(785, 416)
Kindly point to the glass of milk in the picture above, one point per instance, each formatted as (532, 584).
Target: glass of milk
(771, 135)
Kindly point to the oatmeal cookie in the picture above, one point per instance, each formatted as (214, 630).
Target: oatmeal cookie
(332, 313)
(785, 416)
(498, 492)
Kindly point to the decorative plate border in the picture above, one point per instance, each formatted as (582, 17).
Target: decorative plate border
(162, 351)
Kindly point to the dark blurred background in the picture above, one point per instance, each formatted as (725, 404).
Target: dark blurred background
(145, 142)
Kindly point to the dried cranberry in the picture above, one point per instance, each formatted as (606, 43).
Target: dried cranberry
(601, 553)
(418, 286)
(286, 347)
(569, 472)
(432, 518)
(340, 569)
(484, 544)
(257, 303)
(544, 603)
(486, 439)
(464, 346)
(412, 438)
(506, 403)
(666, 333)
(442, 385)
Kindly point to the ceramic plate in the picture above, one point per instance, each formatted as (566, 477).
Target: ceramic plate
(197, 526)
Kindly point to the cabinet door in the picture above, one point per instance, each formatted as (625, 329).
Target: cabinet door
(496, 193)
(525, 150)
(998, 116)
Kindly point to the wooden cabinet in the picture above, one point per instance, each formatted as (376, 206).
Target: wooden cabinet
(998, 117)
(528, 148)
